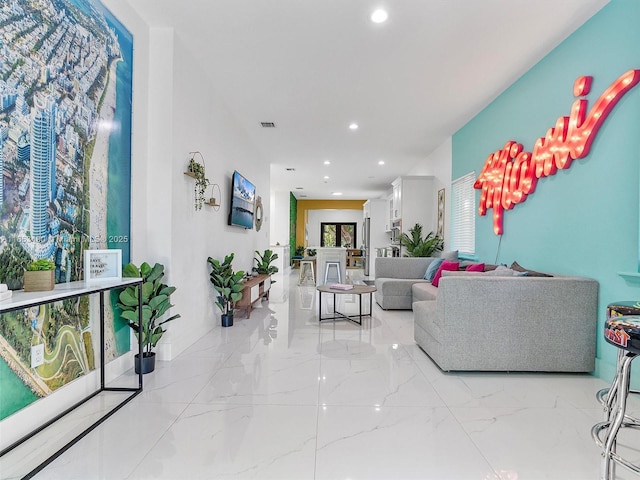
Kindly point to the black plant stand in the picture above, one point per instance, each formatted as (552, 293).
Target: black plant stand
(63, 291)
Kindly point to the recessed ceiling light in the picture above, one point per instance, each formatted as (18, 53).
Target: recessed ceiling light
(327, 162)
(326, 177)
(379, 16)
(336, 193)
(380, 162)
(353, 126)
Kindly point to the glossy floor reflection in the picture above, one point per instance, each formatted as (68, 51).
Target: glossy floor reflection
(278, 396)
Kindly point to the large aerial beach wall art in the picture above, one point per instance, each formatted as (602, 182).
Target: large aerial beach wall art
(65, 157)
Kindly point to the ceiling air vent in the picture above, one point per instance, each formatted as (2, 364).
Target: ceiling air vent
(268, 124)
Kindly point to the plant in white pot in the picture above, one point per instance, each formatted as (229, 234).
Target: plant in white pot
(228, 286)
(155, 303)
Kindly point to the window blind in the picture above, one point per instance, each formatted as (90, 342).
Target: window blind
(463, 211)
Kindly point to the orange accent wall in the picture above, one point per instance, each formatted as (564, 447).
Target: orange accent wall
(305, 205)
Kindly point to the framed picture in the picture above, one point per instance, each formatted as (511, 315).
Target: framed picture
(102, 265)
(440, 230)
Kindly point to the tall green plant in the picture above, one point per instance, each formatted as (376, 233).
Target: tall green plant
(416, 246)
(155, 303)
(228, 284)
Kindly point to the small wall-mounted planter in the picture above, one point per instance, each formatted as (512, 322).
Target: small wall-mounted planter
(39, 280)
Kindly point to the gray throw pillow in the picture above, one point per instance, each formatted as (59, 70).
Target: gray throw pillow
(529, 273)
(451, 255)
(500, 271)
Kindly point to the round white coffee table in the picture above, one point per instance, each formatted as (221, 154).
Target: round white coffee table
(356, 290)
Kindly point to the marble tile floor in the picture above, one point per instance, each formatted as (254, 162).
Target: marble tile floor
(278, 396)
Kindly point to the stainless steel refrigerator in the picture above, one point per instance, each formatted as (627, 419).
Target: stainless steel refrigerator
(366, 242)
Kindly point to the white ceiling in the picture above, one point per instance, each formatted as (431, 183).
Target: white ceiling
(314, 66)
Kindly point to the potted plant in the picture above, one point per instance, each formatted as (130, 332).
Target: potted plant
(195, 169)
(39, 276)
(421, 247)
(264, 263)
(228, 286)
(311, 252)
(156, 300)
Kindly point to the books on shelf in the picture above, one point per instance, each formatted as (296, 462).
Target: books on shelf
(341, 286)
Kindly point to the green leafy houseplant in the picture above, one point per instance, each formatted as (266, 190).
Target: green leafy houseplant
(196, 169)
(300, 251)
(228, 286)
(39, 265)
(264, 263)
(39, 276)
(155, 303)
(421, 247)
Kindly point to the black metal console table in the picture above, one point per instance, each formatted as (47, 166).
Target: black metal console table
(21, 300)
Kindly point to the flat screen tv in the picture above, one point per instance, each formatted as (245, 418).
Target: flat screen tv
(243, 195)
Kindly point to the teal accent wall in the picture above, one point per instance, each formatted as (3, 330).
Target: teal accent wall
(583, 220)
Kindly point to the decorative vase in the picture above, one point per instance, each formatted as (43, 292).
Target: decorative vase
(38, 280)
(148, 362)
(227, 320)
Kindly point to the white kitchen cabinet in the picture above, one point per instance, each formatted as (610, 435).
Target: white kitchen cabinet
(389, 214)
(378, 213)
(397, 198)
(414, 201)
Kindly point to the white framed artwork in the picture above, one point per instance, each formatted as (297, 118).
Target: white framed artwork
(100, 265)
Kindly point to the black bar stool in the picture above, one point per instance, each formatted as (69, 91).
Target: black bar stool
(622, 330)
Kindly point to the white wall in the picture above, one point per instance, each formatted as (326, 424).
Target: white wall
(315, 217)
(438, 164)
(280, 224)
(177, 111)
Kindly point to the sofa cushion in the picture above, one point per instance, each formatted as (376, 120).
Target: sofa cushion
(530, 273)
(402, 267)
(446, 265)
(432, 269)
(451, 255)
(423, 291)
(476, 267)
(396, 286)
(502, 271)
(395, 293)
(461, 273)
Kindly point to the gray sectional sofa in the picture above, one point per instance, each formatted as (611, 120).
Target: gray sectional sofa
(482, 322)
(395, 277)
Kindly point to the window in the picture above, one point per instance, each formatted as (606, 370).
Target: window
(463, 214)
(338, 235)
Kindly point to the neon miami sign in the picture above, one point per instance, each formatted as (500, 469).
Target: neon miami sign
(510, 174)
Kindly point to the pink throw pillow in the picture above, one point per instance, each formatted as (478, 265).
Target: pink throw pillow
(446, 265)
(476, 267)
